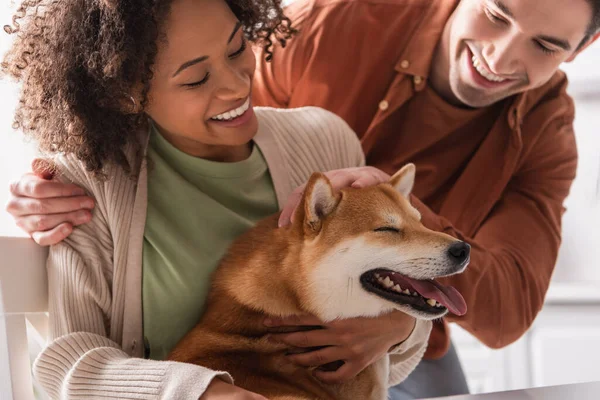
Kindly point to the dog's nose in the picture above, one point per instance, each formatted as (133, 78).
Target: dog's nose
(459, 252)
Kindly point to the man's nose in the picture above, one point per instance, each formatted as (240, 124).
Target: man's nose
(501, 57)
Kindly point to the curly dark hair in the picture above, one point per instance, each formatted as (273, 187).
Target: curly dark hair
(79, 61)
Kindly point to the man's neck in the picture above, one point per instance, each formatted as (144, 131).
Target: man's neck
(439, 77)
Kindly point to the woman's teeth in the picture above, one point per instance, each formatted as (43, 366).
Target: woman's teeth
(483, 72)
(229, 115)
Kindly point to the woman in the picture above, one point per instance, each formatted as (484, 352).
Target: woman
(147, 105)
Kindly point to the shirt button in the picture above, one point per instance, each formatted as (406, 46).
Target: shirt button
(418, 80)
(404, 64)
(384, 105)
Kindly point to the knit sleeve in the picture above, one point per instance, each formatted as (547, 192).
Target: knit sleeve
(82, 360)
(312, 139)
(405, 357)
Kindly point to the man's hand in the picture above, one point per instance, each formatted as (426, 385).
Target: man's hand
(220, 390)
(358, 342)
(46, 209)
(358, 177)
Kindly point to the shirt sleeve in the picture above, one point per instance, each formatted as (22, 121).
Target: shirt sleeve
(514, 251)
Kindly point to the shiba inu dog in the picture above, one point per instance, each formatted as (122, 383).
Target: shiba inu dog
(356, 252)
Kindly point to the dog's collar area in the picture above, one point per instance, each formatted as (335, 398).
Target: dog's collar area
(399, 291)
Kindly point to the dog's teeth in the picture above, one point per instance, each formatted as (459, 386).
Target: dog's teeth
(415, 294)
(431, 302)
(406, 291)
(387, 282)
(377, 276)
(397, 288)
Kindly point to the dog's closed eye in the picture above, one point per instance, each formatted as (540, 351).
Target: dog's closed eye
(387, 229)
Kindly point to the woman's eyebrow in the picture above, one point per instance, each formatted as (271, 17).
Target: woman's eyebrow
(195, 61)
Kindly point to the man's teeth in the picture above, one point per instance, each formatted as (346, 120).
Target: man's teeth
(483, 72)
(232, 114)
(390, 285)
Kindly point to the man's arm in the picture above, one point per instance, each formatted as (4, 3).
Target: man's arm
(514, 252)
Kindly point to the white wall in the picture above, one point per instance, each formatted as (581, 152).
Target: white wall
(15, 153)
(579, 258)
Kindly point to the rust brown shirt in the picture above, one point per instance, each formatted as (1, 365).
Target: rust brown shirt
(495, 177)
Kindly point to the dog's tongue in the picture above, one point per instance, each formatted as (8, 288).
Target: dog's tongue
(448, 296)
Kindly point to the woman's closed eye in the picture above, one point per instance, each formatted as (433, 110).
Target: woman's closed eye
(242, 48)
(199, 83)
(232, 56)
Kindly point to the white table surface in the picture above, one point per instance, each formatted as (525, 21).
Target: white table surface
(577, 391)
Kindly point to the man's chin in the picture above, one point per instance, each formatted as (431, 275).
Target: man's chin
(478, 98)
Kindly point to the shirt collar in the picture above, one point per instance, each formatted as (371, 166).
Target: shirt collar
(417, 57)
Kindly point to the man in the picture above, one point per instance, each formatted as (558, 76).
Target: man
(468, 91)
(471, 93)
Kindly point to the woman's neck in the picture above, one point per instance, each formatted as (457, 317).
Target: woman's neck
(218, 153)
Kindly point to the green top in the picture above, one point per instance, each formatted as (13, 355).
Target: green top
(196, 208)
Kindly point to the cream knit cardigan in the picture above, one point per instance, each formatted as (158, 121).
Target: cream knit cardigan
(95, 276)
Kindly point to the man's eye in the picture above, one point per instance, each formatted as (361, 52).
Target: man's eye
(545, 49)
(493, 17)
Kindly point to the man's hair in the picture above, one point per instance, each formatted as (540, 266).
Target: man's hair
(594, 25)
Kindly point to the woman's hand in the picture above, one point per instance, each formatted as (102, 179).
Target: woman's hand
(221, 390)
(340, 178)
(358, 342)
(46, 209)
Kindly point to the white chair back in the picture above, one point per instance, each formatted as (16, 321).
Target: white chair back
(23, 315)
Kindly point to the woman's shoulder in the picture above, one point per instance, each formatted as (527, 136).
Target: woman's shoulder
(114, 190)
(304, 119)
(69, 168)
(312, 129)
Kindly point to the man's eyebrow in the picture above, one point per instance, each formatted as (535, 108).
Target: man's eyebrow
(195, 61)
(504, 8)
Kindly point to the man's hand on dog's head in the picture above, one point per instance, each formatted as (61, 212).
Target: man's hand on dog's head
(358, 177)
(357, 342)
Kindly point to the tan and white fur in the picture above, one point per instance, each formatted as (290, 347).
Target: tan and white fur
(323, 264)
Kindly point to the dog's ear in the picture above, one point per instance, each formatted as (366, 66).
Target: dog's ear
(404, 179)
(319, 201)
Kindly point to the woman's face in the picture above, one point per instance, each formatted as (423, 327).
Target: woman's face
(200, 92)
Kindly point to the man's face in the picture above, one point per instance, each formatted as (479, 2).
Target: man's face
(498, 48)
